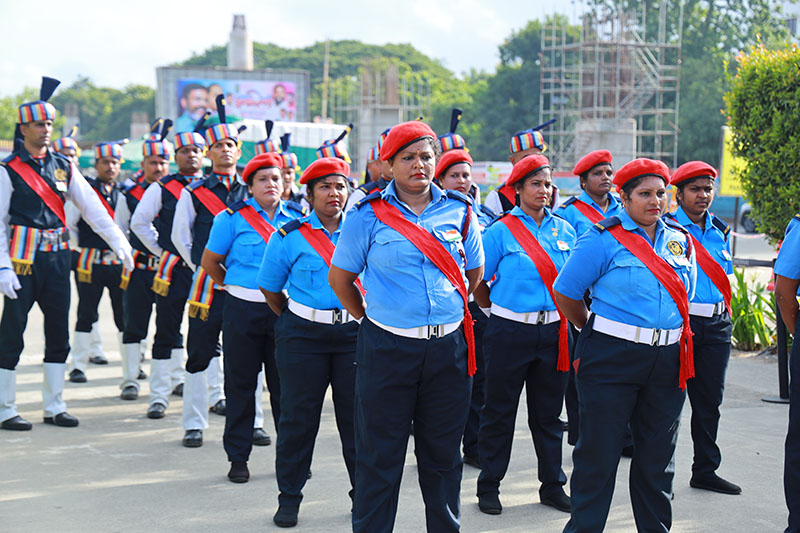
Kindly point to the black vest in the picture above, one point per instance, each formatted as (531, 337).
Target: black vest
(132, 202)
(163, 221)
(204, 218)
(87, 238)
(26, 207)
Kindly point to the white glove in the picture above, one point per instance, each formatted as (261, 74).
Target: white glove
(125, 256)
(487, 311)
(9, 283)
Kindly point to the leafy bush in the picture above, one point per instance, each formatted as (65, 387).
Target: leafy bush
(752, 313)
(763, 106)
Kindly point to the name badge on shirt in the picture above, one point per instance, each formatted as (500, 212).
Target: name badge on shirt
(60, 176)
(451, 235)
(726, 255)
(563, 246)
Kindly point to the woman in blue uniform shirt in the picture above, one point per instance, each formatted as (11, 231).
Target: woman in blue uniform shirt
(232, 258)
(521, 340)
(315, 339)
(412, 359)
(632, 356)
(711, 321)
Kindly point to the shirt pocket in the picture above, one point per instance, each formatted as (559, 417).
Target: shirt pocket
(630, 275)
(558, 251)
(391, 251)
(723, 258)
(680, 264)
(312, 273)
(251, 247)
(451, 240)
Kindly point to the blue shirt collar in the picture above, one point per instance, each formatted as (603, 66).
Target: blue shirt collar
(391, 192)
(281, 208)
(684, 220)
(313, 219)
(630, 225)
(519, 213)
(612, 201)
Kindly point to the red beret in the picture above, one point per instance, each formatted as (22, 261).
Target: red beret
(693, 169)
(404, 134)
(326, 166)
(591, 160)
(450, 158)
(265, 160)
(526, 166)
(640, 167)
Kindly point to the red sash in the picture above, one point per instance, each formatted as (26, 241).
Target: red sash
(639, 247)
(547, 271)
(433, 250)
(713, 270)
(210, 200)
(257, 222)
(105, 203)
(175, 187)
(323, 246)
(40, 187)
(588, 211)
(509, 192)
(137, 191)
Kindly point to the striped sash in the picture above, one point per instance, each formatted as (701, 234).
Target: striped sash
(163, 277)
(201, 295)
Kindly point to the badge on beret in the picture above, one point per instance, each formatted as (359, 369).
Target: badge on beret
(675, 248)
(563, 246)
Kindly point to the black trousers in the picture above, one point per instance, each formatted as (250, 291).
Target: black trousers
(48, 286)
(791, 466)
(89, 295)
(169, 313)
(137, 305)
(400, 380)
(520, 355)
(203, 340)
(248, 333)
(712, 351)
(310, 356)
(470, 444)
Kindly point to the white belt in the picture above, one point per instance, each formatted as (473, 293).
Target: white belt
(421, 332)
(322, 316)
(706, 310)
(534, 317)
(243, 293)
(651, 336)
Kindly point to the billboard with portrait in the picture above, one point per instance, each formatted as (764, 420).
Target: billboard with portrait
(253, 99)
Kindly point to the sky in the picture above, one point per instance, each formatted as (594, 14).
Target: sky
(116, 46)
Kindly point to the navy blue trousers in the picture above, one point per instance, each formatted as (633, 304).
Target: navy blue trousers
(791, 465)
(202, 342)
(248, 334)
(621, 382)
(712, 350)
(137, 305)
(48, 286)
(89, 295)
(470, 444)
(571, 396)
(310, 356)
(169, 313)
(400, 380)
(520, 355)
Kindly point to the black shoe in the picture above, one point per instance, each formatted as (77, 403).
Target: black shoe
(627, 451)
(142, 374)
(260, 437)
(555, 497)
(286, 516)
(98, 360)
(16, 423)
(193, 438)
(178, 390)
(715, 483)
(64, 420)
(239, 472)
(156, 410)
(490, 503)
(219, 409)
(129, 393)
(77, 376)
(471, 460)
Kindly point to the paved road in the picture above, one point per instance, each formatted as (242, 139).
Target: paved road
(121, 472)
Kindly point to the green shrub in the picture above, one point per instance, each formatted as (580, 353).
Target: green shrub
(753, 314)
(763, 107)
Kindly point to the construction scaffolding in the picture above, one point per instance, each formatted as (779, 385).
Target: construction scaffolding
(611, 88)
(377, 99)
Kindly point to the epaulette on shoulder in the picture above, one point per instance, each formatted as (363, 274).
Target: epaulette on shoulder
(670, 221)
(486, 210)
(196, 184)
(496, 219)
(367, 199)
(558, 215)
(290, 226)
(607, 223)
(235, 206)
(166, 179)
(797, 216)
(459, 196)
(7, 160)
(568, 202)
(366, 187)
(56, 155)
(724, 228)
(297, 207)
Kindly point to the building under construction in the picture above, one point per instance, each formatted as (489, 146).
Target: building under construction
(611, 87)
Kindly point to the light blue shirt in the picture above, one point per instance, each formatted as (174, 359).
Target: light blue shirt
(291, 258)
(578, 221)
(788, 262)
(714, 241)
(622, 288)
(518, 285)
(404, 288)
(232, 236)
